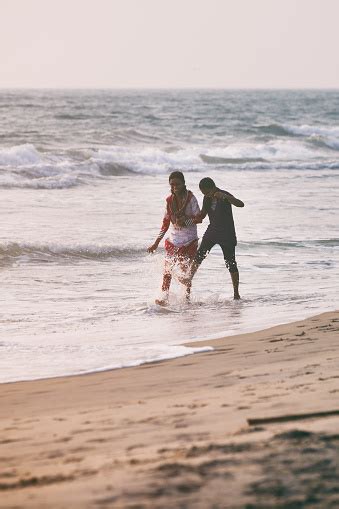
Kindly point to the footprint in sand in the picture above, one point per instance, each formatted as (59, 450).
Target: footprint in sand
(54, 454)
(74, 459)
(99, 440)
(63, 439)
(9, 474)
(196, 405)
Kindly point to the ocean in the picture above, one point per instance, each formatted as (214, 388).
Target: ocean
(83, 182)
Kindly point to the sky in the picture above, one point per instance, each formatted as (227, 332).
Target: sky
(169, 43)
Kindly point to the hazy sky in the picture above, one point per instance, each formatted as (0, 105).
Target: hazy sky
(169, 43)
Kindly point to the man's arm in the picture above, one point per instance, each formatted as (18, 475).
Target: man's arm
(228, 197)
(190, 221)
(200, 217)
(197, 214)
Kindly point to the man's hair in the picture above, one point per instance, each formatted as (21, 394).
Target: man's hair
(177, 175)
(206, 183)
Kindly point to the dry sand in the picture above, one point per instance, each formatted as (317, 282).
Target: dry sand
(175, 434)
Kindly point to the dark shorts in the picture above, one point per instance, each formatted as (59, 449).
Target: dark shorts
(227, 249)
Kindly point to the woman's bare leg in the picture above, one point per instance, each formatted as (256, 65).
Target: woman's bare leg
(185, 266)
(166, 283)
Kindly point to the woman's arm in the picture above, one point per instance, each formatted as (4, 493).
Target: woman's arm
(164, 227)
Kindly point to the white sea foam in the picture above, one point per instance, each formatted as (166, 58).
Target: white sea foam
(278, 150)
(326, 134)
(150, 160)
(311, 130)
(88, 359)
(34, 181)
(24, 166)
(20, 155)
(153, 160)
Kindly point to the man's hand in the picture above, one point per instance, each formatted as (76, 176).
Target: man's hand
(200, 217)
(153, 247)
(220, 196)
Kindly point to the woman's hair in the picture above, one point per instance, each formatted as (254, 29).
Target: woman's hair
(177, 175)
(206, 183)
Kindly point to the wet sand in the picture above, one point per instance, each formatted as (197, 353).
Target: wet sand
(253, 423)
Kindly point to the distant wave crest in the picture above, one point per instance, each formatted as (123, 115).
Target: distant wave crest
(230, 160)
(327, 135)
(290, 244)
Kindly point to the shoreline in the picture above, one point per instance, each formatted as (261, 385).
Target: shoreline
(194, 343)
(178, 432)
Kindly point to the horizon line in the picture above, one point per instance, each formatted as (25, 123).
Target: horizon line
(170, 88)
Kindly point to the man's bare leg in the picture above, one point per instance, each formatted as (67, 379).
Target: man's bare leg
(235, 282)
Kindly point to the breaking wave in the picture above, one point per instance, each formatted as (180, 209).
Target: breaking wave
(21, 155)
(56, 252)
(24, 166)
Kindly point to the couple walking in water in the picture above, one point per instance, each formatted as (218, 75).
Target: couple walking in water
(182, 214)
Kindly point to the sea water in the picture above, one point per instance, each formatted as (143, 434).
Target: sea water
(83, 182)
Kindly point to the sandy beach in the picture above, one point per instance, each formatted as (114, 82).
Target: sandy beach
(253, 423)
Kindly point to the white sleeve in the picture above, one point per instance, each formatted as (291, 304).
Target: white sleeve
(194, 205)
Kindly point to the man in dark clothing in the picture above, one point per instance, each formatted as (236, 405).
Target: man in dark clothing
(218, 205)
